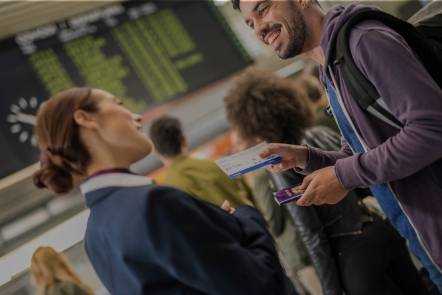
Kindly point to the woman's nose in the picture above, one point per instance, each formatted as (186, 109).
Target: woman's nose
(137, 118)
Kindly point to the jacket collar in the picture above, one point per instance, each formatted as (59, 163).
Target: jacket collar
(103, 182)
(179, 159)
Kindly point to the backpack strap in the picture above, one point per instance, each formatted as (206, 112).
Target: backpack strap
(431, 28)
(359, 87)
(431, 9)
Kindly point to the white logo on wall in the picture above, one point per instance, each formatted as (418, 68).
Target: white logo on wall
(22, 119)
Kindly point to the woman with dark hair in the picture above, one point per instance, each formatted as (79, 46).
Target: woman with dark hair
(353, 250)
(142, 238)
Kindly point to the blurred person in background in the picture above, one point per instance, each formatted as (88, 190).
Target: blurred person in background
(353, 250)
(316, 96)
(52, 274)
(200, 178)
(142, 238)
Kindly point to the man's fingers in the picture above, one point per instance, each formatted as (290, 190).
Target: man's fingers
(272, 168)
(305, 182)
(274, 148)
(308, 196)
(276, 167)
(306, 199)
(266, 153)
(269, 150)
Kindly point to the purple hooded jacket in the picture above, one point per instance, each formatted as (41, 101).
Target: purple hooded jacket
(409, 159)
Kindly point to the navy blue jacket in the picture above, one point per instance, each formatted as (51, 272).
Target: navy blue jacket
(146, 239)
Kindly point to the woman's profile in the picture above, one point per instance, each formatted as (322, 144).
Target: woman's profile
(142, 238)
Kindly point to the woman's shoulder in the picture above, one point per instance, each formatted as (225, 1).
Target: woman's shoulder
(164, 194)
(142, 198)
(134, 201)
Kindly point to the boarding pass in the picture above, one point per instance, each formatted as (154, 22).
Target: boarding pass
(246, 161)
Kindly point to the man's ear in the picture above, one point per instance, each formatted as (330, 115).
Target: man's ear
(184, 143)
(85, 119)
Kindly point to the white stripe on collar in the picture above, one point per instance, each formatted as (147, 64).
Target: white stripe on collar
(113, 180)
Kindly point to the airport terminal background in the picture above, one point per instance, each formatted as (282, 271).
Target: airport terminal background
(172, 57)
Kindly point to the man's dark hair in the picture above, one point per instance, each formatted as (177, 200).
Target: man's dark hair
(166, 134)
(263, 105)
(235, 4)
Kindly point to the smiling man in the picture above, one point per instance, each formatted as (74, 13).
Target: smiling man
(402, 165)
(280, 25)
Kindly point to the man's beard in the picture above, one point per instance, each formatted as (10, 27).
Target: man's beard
(295, 47)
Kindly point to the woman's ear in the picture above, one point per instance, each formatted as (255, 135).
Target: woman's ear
(85, 119)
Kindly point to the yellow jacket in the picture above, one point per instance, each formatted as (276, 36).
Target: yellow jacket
(206, 181)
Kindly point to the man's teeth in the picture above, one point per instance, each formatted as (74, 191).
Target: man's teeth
(273, 37)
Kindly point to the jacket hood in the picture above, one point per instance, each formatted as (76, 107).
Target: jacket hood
(334, 20)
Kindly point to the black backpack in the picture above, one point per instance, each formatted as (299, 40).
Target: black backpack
(424, 38)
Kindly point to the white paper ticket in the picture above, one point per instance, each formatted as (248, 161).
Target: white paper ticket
(246, 161)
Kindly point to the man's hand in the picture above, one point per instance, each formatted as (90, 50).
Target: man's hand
(292, 156)
(322, 187)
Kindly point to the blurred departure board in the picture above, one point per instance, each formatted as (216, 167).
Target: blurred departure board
(146, 53)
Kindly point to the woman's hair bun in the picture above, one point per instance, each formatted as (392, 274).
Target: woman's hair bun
(53, 177)
(63, 155)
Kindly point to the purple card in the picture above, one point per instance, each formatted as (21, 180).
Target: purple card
(287, 195)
